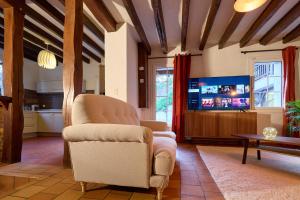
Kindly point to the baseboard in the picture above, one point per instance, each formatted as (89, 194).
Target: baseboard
(215, 141)
(48, 134)
(29, 135)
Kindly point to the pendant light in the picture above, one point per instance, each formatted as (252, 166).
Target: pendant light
(46, 59)
(248, 5)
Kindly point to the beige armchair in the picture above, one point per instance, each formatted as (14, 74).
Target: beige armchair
(108, 145)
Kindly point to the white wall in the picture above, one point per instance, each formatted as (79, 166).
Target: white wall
(225, 62)
(116, 63)
(121, 60)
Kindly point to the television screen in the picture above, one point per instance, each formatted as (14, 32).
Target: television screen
(219, 93)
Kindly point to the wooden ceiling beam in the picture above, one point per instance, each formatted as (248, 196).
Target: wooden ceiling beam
(212, 13)
(185, 23)
(232, 25)
(28, 36)
(282, 24)
(102, 14)
(137, 23)
(292, 35)
(160, 24)
(56, 14)
(263, 18)
(90, 25)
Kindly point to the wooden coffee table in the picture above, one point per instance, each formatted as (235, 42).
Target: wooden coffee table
(277, 140)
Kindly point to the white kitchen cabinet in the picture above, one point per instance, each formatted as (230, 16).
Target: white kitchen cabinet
(30, 122)
(49, 86)
(50, 122)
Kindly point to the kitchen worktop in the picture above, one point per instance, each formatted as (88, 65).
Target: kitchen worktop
(45, 111)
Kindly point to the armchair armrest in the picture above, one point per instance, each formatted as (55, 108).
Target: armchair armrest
(107, 133)
(155, 125)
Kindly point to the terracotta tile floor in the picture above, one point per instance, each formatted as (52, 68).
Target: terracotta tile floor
(190, 181)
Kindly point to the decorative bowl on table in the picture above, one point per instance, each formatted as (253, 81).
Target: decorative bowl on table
(270, 132)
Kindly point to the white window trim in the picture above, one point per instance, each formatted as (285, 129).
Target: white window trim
(251, 62)
(155, 68)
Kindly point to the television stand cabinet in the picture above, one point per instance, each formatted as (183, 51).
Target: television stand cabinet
(223, 124)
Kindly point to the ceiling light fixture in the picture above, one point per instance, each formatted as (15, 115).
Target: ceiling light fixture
(46, 59)
(248, 5)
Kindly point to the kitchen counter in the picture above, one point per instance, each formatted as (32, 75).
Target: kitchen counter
(49, 111)
(44, 111)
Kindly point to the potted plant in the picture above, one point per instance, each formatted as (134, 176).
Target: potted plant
(293, 113)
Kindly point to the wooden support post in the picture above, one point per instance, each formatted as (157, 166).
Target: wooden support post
(13, 79)
(72, 71)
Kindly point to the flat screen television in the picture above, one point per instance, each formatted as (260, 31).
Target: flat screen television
(219, 93)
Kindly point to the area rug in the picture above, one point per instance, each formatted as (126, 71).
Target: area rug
(275, 177)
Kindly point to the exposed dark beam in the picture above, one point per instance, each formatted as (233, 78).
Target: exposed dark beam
(28, 36)
(102, 14)
(43, 21)
(263, 18)
(212, 13)
(90, 25)
(233, 23)
(185, 22)
(282, 24)
(56, 14)
(93, 28)
(137, 23)
(160, 24)
(50, 10)
(292, 35)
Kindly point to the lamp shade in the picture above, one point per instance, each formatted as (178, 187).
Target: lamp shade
(46, 59)
(247, 5)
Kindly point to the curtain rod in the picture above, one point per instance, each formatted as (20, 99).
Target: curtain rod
(200, 54)
(254, 51)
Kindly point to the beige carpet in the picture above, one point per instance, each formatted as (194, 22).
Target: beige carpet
(275, 177)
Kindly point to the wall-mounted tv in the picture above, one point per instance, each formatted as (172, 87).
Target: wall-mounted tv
(219, 93)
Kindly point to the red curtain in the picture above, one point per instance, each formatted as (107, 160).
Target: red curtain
(182, 65)
(288, 55)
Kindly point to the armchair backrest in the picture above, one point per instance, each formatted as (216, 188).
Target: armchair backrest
(90, 108)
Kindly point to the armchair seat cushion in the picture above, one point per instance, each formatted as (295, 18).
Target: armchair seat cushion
(169, 134)
(164, 150)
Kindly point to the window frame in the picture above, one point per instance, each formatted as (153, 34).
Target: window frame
(252, 73)
(155, 94)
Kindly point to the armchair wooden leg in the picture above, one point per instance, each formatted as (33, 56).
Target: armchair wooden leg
(159, 193)
(161, 189)
(83, 186)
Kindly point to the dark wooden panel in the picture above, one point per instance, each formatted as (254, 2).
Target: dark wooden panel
(13, 83)
(50, 101)
(143, 75)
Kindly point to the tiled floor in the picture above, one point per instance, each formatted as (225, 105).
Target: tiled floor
(190, 181)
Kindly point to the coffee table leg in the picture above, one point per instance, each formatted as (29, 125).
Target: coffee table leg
(246, 143)
(258, 151)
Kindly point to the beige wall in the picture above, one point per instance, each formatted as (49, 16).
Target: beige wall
(225, 62)
(121, 64)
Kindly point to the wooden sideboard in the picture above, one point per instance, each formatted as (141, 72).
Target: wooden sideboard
(222, 124)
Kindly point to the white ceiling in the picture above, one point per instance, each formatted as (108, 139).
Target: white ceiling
(198, 12)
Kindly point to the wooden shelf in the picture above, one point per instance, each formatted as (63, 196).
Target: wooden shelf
(5, 100)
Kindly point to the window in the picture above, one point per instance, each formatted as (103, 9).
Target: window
(268, 84)
(164, 94)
